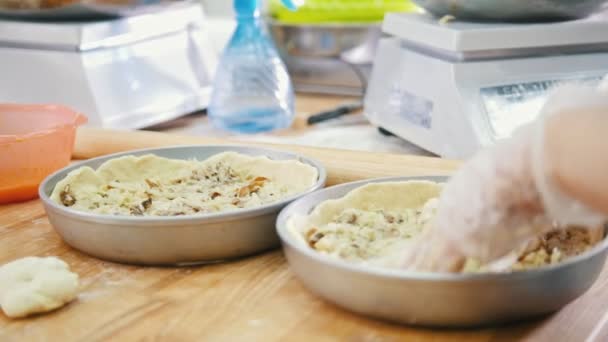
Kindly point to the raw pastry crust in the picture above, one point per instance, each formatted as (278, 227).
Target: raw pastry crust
(153, 186)
(372, 224)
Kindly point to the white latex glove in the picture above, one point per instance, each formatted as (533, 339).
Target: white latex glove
(504, 196)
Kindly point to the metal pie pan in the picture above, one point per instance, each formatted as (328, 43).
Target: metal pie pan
(177, 240)
(434, 299)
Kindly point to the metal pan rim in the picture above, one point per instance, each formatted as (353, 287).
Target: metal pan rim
(51, 180)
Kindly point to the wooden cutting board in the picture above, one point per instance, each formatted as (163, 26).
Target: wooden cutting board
(251, 299)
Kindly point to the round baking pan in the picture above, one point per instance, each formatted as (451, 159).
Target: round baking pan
(434, 299)
(172, 240)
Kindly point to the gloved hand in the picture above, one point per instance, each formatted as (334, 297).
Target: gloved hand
(505, 195)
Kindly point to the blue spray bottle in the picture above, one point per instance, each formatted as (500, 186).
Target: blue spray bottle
(252, 91)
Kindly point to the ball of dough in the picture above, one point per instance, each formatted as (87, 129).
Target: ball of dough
(33, 285)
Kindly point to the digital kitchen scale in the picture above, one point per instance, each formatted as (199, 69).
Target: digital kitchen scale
(129, 72)
(454, 87)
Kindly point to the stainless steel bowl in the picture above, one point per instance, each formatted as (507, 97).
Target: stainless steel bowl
(513, 10)
(327, 58)
(434, 299)
(171, 240)
(324, 40)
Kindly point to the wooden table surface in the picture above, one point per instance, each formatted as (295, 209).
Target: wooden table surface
(252, 299)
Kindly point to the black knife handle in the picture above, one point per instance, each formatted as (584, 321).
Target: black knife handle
(330, 114)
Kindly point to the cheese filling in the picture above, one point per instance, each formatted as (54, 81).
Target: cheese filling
(369, 236)
(206, 190)
(175, 188)
(361, 235)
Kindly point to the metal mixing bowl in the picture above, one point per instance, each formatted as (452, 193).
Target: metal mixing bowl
(327, 58)
(434, 299)
(172, 240)
(513, 10)
(324, 40)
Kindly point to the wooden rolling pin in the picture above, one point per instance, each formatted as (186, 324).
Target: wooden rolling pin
(342, 165)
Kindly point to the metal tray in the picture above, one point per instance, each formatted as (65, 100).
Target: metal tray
(90, 10)
(434, 299)
(172, 240)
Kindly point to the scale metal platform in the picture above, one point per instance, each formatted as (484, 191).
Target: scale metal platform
(126, 73)
(454, 88)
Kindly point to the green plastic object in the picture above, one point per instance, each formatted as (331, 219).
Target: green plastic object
(338, 11)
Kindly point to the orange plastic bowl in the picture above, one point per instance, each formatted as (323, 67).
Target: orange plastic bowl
(35, 140)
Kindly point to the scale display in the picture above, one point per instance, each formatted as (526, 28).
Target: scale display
(511, 105)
